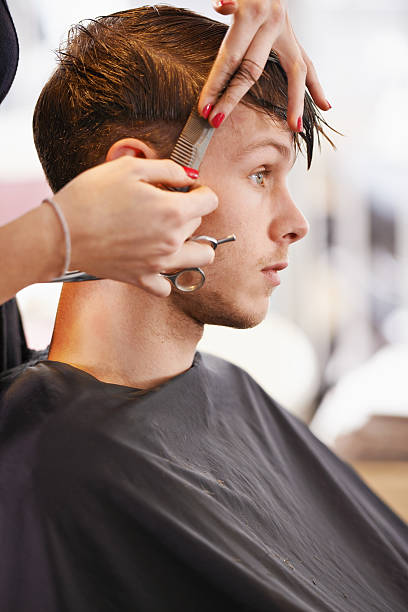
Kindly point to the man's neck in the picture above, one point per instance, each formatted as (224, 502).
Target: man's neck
(122, 335)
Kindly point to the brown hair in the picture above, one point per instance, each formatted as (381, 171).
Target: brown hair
(139, 73)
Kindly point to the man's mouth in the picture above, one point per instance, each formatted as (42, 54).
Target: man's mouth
(272, 272)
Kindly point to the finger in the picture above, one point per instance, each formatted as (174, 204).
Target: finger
(189, 229)
(232, 50)
(313, 84)
(155, 285)
(176, 237)
(164, 172)
(191, 255)
(292, 62)
(194, 204)
(249, 72)
(225, 7)
(296, 73)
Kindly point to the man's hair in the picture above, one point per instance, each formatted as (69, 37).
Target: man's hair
(138, 73)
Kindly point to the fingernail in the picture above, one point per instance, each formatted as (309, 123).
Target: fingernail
(328, 104)
(191, 172)
(300, 124)
(206, 110)
(218, 119)
(221, 3)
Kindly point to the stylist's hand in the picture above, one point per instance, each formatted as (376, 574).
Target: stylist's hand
(257, 27)
(125, 228)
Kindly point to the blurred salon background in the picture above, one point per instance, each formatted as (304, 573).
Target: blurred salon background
(334, 348)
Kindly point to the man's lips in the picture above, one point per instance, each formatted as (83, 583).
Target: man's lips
(277, 267)
(271, 272)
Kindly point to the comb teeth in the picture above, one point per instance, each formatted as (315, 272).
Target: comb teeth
(193, 141)
(183, 152)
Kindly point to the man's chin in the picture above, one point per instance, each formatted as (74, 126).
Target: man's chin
(218, 310)
(237, 322)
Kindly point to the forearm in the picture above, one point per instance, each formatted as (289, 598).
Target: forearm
(31, 251)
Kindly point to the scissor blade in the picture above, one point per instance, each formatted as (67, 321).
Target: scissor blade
(193, 141)
(76, 276)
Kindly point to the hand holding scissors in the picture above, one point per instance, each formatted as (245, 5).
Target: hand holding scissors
(188, 151)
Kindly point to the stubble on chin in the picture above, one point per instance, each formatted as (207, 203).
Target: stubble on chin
(213, 308)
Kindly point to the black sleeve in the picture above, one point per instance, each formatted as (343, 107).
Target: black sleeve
(13, 347)
(8, 50)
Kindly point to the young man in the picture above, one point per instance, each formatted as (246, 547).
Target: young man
(156, 478)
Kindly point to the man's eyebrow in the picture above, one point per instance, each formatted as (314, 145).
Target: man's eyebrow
(282, 149)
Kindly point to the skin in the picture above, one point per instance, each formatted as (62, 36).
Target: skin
(121, 335)
(257, 27)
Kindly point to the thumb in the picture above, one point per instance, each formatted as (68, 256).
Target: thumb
(225, 7)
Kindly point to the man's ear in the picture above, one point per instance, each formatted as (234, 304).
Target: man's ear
(132, 147)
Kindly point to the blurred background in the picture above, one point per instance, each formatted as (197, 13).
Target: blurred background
(334, 348)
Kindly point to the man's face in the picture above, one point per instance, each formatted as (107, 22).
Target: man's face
(246, 164)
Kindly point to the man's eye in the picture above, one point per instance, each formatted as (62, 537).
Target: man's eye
(259, 177)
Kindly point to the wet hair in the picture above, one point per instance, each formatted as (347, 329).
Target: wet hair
(138, 73)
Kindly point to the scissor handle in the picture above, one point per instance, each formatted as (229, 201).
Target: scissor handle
(175, 278)
(213, 241)
(189, 287)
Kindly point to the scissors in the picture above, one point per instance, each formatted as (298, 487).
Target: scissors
(192, 279)
(189, 151)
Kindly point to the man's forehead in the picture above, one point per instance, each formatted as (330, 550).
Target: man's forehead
(251, 131)
(284, 149)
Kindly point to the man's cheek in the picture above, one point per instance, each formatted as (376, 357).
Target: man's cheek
(216, 224)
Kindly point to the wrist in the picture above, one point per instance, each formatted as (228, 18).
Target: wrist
(51, 239)
(65, 231)
(67, 206)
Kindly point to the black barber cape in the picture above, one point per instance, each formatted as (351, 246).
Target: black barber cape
(202, 495)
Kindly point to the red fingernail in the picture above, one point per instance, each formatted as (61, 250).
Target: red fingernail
(328, 104)
(300, 124)
(207, 110)
(191, 172)
(222, 3)
(218, 119)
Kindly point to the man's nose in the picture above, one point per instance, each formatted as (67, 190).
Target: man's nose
(289, 224)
